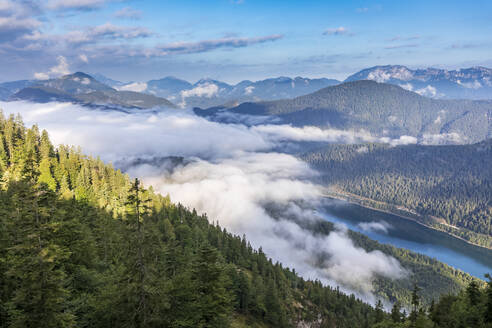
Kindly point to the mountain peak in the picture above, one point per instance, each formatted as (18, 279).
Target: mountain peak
(468, 83)
(78, 75)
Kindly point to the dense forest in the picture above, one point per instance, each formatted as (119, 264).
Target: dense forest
(81, 245)
(378, 107)
(447, 187)
(471, 308)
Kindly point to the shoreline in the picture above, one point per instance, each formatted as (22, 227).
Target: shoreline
(356, 200)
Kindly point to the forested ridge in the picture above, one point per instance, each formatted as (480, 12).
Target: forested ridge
(375, 107)
(448, 187)
(81, 245)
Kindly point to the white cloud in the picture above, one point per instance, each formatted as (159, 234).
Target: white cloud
(379, 226)
(91, 35)
(470, 85)
(428, 91)
(128, 12)
(75, 4)
(135, 86)
(407, 86)
(336, 31)
(15, 23)
(17, 19)
(209, 45)
(443, 139)
(203, 90)
(362, 149)
(207, 90)
(249, 90)
(402, 140)
(84, 58)
(41, 76)
(399, 46)
(312, 133)
(60, 69)
(399, 73)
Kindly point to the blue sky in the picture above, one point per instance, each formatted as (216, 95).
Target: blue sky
(233, 40)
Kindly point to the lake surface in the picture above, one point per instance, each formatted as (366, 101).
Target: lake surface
(399, 232)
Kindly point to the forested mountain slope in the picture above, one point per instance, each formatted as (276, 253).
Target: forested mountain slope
(81, 245)
(382, 109)
(445, 185)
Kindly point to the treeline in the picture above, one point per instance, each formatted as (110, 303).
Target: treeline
(471, 308)
(83, 246)
(445, 185)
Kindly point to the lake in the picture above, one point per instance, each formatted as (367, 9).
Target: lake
(392, 229)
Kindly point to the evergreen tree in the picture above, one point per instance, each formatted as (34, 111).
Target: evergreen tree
(379, 314)
(415, 305)
(212, 289)
(396, 315)
(488, 304)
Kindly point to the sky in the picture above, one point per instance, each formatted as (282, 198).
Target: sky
(234, 40)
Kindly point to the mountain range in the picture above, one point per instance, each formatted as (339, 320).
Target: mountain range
(83, 89)
(382, 109)
(208, 92)
(466, 83)
(469, 83)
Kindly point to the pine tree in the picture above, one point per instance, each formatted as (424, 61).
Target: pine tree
(473, 293)
(244, 291)
(140, 207)
(396, 315)
(488, 303)
(46, 176)
(379, 314)
(272, 304)
(415, 305)
(213, 295)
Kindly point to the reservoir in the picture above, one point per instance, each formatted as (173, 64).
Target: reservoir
(399, 232)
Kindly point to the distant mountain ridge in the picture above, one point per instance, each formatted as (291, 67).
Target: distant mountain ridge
(382, 109)
(83, 89)
(473, 83)
(208, 92)
(465, 83)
